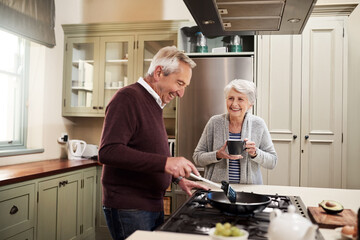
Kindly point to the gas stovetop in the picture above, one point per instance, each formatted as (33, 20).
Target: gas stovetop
(197, 216)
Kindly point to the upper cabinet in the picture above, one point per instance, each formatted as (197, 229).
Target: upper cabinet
(99, 59)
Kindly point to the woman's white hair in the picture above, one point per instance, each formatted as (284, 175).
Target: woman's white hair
(243, 86)
(168, 58)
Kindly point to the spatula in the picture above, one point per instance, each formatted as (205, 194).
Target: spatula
(225, 186)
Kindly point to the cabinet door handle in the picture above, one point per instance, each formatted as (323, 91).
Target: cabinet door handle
(94, 107)
(63, 183)
(14, 210)
(101, 107)
(294, 137)
(306, 137)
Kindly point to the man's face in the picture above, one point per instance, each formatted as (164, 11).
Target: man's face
(173, 85)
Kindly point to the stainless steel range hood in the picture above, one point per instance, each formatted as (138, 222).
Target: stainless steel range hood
(249, 17)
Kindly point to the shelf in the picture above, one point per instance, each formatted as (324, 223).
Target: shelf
(147, 60)
(82, 89)
(112, 88)
(118, 61)
(221, 54)
(76, 63)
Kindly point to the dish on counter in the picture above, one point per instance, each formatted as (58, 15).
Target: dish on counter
(217, 237)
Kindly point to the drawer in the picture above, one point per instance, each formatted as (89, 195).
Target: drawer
(26, 235)
(17, 207)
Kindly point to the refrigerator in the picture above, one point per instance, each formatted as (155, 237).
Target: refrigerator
(204, 97)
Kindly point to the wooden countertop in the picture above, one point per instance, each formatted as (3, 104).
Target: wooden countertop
(27, 171)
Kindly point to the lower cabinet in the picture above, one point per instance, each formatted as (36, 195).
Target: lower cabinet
(17, 211)
(66, 206)
(102, 231)
(26, 235)
(89, 204)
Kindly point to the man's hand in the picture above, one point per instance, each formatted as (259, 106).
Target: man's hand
(180, 166)
(187, 186)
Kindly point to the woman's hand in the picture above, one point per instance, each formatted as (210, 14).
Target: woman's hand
(250, 148)
(221, 153)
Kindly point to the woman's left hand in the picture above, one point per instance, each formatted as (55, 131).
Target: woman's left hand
(250, 147)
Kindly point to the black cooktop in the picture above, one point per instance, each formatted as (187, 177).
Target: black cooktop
(197, 216)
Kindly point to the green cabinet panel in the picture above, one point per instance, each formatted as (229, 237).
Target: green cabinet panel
(59, 208)
(47, 210)
(89, 203)
(17, 206)
(26, 235)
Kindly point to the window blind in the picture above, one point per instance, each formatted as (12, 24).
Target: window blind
(31, 19)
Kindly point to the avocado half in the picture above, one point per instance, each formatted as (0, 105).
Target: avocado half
(331, 206)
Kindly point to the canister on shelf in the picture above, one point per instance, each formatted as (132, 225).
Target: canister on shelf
(236, 43)
(201, 45)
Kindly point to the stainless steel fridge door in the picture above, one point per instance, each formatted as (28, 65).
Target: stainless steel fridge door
(204, 97)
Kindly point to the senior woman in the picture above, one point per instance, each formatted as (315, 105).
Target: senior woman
(237, 123)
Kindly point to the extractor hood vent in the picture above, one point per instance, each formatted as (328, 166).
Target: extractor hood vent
(249, 17)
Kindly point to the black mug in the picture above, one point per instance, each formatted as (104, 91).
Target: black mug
(236, 146)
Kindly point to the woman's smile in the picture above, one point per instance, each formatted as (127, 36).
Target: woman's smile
(237, 103)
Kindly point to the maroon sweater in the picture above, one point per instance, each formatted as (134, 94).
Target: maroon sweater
(134, 150)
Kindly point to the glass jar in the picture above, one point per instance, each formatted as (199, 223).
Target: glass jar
(201, 44)
(235, 44)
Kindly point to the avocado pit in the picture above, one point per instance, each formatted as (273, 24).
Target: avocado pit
(331, 206)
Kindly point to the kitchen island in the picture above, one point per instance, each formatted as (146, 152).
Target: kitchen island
(310, 196)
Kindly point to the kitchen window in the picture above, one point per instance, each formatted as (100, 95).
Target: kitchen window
(13, 92)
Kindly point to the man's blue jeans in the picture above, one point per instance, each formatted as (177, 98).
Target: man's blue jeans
(123, 222)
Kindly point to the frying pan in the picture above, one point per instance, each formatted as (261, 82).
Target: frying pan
(246, 203)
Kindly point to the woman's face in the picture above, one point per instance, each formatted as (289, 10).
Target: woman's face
(237, 103)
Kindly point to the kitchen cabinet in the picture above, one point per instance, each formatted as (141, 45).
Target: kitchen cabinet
(99, 59)
(102, 231)
(27, 235)
(66, 205)
(17, 211)
(89, 186)
(300, 88)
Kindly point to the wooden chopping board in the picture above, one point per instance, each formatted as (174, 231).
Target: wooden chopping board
(325, 220)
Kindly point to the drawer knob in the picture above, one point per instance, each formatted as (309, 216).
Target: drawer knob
(14, 210)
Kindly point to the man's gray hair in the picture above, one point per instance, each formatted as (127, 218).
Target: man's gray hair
(242, 86)
(168, 58)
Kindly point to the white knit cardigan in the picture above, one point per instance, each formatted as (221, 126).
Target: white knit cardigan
(216, 132)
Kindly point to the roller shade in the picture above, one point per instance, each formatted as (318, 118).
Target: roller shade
(31, 19)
